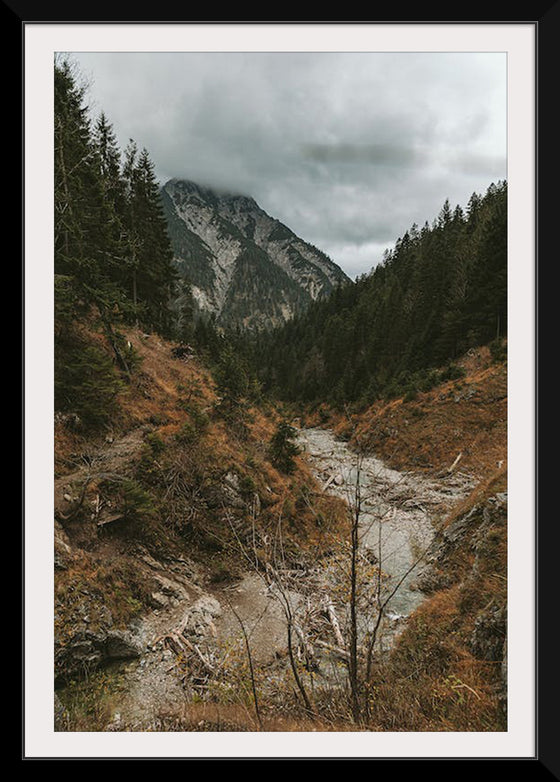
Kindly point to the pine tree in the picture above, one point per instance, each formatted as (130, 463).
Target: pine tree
(130, 270)
(232, 377)
(283, 448)
(77, 188)
(487, 300)
(150, 269)
(118, 250)
(112, 254)
(85, 244)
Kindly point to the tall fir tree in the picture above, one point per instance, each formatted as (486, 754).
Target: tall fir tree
(150, 268)
(112, 254)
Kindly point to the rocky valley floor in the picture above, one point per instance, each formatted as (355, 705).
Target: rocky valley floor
(156, 637)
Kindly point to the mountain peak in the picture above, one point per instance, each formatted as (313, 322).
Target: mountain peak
(208, 192)
(245, 267)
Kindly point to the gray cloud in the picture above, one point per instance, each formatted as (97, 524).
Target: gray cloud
(370, 154)
(348, 149)
(478, 164)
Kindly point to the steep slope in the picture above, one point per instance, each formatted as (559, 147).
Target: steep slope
(439, 293)
(458, 424)
(245, 267)
(150, 509)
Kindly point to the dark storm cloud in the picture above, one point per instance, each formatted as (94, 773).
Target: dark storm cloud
(348, 149)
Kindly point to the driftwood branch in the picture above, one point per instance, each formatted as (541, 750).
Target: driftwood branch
(452, 468)
(308, 651)
(206, 663)
(333, 619)
(328, 483)
(456, 462)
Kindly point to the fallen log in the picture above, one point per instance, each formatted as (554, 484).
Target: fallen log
(342, 653)
(110, 519)
(176, 643)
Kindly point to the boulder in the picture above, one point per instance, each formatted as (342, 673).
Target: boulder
(199, 624)
(159, 600)
(88, 649)
(122, 645)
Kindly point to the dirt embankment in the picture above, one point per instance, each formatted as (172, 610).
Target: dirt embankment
(459, 424)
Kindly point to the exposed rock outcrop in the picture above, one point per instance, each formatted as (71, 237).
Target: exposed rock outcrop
(87, 649)
(246, 268)
(473, 531)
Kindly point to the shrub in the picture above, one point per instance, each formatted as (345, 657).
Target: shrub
(192, 430)
(156, 444)
(247, 486)
(86, 383)
(452, 372)
(498, 350)
(283, 448)
(429, 380)
(137, 502)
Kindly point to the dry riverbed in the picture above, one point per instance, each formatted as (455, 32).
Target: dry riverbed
(199, 646)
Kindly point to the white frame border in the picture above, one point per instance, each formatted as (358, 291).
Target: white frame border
(41, 42)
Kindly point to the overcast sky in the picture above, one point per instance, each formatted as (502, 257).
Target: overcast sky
(347, 149)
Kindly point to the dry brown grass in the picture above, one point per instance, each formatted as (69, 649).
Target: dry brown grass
(466, 416)
(216, 717)
(434, 680)
(160, 382)
(88, 583)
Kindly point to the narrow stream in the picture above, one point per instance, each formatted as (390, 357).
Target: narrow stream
(397, 509)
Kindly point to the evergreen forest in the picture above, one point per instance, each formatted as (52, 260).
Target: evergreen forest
(112, 256)
(441, 291)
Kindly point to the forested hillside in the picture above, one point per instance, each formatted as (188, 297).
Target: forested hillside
(441, 291)
(112, 257)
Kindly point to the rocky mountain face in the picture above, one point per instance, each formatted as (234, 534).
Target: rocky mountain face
(245, 267)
